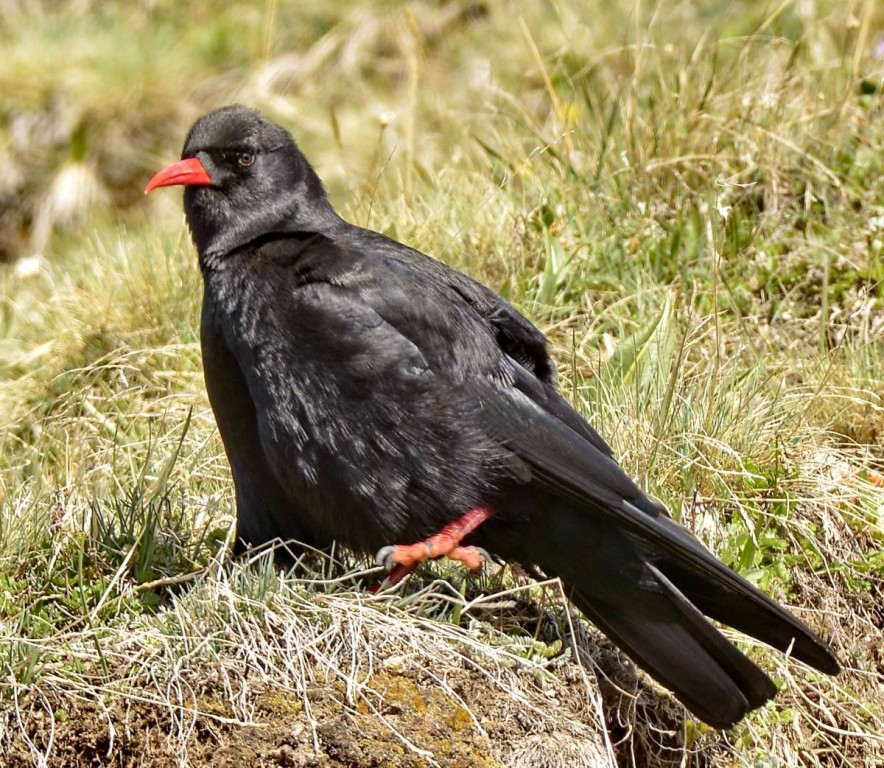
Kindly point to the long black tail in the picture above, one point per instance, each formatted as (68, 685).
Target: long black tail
(672, 641)
(650, 600)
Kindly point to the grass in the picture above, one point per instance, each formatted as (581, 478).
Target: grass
(686, 197)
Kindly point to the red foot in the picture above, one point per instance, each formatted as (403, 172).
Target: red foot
(446, 543)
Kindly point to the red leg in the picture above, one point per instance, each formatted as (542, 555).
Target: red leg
(446, 543)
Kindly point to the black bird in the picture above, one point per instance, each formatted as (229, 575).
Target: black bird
(368, 394)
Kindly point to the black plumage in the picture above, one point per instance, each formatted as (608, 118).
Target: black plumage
(368, 394)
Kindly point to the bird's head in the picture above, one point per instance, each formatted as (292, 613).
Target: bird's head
(244, 177)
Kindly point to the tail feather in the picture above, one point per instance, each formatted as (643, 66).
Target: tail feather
(720, 593)
(621, 587)
(671, 640)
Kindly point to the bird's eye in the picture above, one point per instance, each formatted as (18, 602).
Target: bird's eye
(245, 159)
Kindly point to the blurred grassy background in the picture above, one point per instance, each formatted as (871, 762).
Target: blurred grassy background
(686, 196)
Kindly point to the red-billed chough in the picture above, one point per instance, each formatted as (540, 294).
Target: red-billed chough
(369, 395)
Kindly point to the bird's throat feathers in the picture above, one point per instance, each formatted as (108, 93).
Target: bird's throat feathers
(220, 224)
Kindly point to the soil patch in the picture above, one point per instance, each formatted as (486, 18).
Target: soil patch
(399, 720)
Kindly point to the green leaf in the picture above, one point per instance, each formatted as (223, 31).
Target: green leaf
(645, 359)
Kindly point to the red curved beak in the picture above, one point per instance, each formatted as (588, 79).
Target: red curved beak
(188, 172)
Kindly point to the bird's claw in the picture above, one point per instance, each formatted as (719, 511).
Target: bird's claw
(384, 557)
(484, 554)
